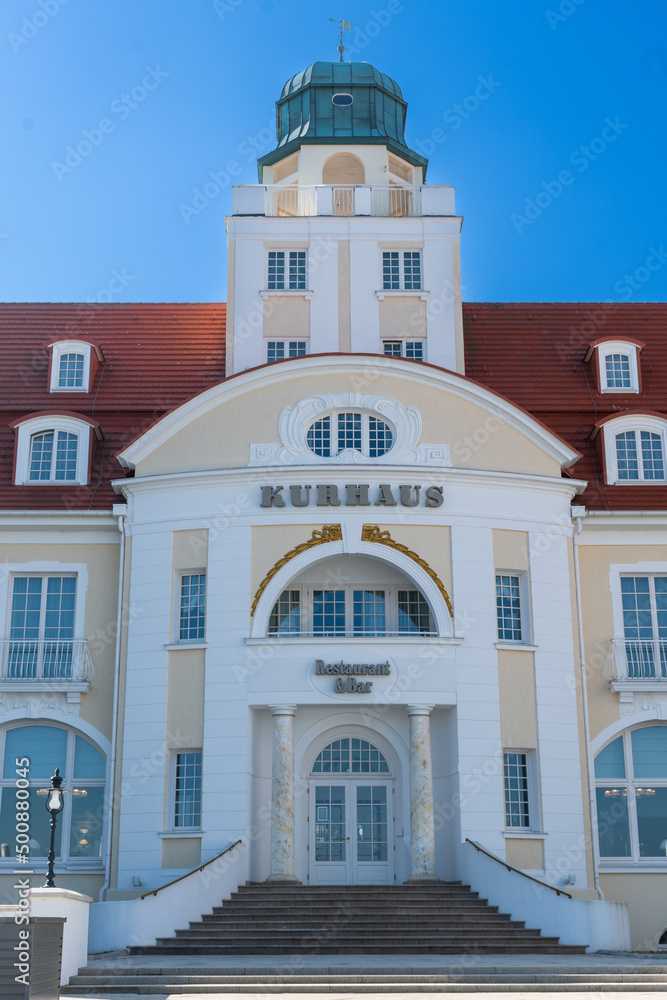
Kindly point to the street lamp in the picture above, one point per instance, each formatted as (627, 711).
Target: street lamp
(54, 805)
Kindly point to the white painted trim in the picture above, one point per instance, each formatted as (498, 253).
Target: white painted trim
(54, 422)
(394, 293)
(70, 347)
(400, 369)
(184, 644)
(618, 347)
(526, 835)
(616, 570)
(284, 293)
(633, 422)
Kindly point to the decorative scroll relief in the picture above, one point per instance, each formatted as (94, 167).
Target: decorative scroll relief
(294, 421)
(373, 533)
(329, 533)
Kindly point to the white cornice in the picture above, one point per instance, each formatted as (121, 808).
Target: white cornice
(397, 368)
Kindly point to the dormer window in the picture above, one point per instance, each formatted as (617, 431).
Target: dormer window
(635, 447)
(617, 364)
(358, 432)
(53, 449)
(73, 366)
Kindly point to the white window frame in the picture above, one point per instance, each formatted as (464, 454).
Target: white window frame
(44, 569)
(196, 571)
(70, 347)
(534, 821)
(401, 270)
(391, 610)
(171, 826)
(286, 286)
(618, 347)
(72, 862)
(524, 608)
(403, 342)
(40, 425)
(636, 422)
(286, 342)
(634, 859)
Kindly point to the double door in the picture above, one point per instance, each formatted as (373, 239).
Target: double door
(351, 832)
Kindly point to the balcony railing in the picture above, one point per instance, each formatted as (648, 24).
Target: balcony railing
(46, 660)
(338, 200)
(333, 633)
(638, 660)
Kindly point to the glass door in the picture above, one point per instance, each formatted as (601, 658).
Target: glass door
(351, 840)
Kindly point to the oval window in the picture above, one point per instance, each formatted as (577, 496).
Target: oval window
(342, 100)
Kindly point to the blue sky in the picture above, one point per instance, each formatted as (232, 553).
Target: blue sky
(559, 161)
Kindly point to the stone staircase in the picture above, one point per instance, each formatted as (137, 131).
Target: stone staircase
(442, 919)
(474, 976)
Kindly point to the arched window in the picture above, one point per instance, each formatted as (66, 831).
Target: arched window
(73, 365)
(631, 793)
(359, 432)
(635, 447)
(350, 755)
(53, 448)
(376, 600)
(31, 754)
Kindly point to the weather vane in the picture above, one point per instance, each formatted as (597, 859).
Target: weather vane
(344, 26)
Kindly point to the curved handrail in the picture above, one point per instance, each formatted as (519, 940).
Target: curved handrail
(194, 871)
(511, 868)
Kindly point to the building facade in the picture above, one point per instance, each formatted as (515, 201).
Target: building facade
(347, 570)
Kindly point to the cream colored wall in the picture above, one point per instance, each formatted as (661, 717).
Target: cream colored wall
(271, 542)
(99, 628)
(286, 316)
(518, 712)
(595, 562)
(312, 160)
(645, 896)
(344, 307)
(510, 549)
(528, 855)
(185, 699)
(181, 852)
(402, 317)
(221, 438)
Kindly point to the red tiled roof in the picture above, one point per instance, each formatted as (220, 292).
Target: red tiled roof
(533, 354)
(157, 355)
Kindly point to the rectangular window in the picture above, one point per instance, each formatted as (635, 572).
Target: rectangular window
(349, 431)
(401, 270)
(286, 269)
(278, 349)
(187, 789)
(617, 371)
(41, 630)
(369, 612)
(70, 372)
(413, 612)
(517, 806)
(508, 607)
(643, 463)
(328, 612)
(413, 349)
(193, 606)
(644, 603)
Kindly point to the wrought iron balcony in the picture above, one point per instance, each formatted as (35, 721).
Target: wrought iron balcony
(46, 660)
(638, 660)
(382, 201)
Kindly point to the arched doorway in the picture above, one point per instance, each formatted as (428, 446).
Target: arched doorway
(351, 815)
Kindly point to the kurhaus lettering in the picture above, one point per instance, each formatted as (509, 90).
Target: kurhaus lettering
(355, 495)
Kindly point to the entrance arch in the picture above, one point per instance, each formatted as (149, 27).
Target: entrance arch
(351, 814)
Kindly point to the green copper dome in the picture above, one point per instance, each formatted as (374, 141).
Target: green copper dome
(339, 102)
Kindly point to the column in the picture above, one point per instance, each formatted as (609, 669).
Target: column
(422, 834)
(282, 795)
